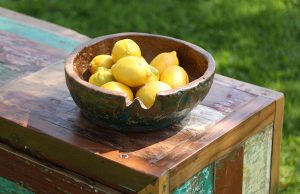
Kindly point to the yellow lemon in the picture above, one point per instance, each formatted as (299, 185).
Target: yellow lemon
(100, 61)
(132, 71)
(102, 76)
(147, 93)
(119, 87)
(123, 48)
(165, 60)
(175, 76)
(155, 74)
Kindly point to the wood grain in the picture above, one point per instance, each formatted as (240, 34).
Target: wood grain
(43, 178)
(229, 173)
(219, 140)
(51, 116)
(6, 74)
(45, 26)
(277, 136)
(20, 57)
(226, 99)
(257, 162)
(159, 186)
(102, 165)
(247, 87)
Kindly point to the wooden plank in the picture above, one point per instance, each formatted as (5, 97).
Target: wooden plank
(194, 124)
(200, 183)
(44, 178)
(37, 34)
(28, 44)
(226, 99)
(229, 173)
(51, 116)
(20, 57)
(219, 140)
(277, 136)
(159, 186)
(257, 162)
(7, 186)
(247, 87)
(46, 26)
(6, 74)
(105, 169)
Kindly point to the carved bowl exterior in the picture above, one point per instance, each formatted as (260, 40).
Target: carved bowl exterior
(114, 110)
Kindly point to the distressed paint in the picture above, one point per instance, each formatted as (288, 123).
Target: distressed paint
(6, 74)
(20, 57)
(200, 183)
(229, 173)
(56, 106)
(9, 187)
(257, 162)
(42, 24)
(37, 34)
(199, 118)
(192, 125)
(40, 177)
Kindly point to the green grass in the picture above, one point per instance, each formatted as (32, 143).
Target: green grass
(255, 41)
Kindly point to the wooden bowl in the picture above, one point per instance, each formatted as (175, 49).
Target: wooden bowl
(114, 110)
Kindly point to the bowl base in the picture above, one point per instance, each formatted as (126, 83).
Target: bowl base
(131, 128)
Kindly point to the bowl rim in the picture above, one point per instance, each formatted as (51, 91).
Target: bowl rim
(69, 70)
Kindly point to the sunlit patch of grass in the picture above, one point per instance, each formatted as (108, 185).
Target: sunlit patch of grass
(290, 164)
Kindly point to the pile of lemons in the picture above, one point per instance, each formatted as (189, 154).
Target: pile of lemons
(125, 70)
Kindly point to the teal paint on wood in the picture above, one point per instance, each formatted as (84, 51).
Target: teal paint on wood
(200, 183)
(9, 187)
(37, 34)
(257, 162)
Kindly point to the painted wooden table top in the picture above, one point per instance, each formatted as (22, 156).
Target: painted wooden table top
(39, 117)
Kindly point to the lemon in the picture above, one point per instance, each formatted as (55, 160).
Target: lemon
(100, 61)
(175, 76)
(119, 87)
(132, 71)
(155, 74)
(102, 76)
(123, 48)
(147, 93)
(165, 60)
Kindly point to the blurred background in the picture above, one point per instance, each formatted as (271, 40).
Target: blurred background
(255, 41)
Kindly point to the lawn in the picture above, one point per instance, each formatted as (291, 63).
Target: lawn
(254, 41)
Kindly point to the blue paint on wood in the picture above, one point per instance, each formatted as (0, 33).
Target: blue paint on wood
(9, 187)
(37, 34)
(200, 183)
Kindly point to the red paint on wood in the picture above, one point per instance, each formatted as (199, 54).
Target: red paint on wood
(42, 178)
(229, 173)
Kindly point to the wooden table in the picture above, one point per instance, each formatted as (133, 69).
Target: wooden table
(228, 144)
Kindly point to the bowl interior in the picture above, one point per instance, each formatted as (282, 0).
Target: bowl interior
(190, 58)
